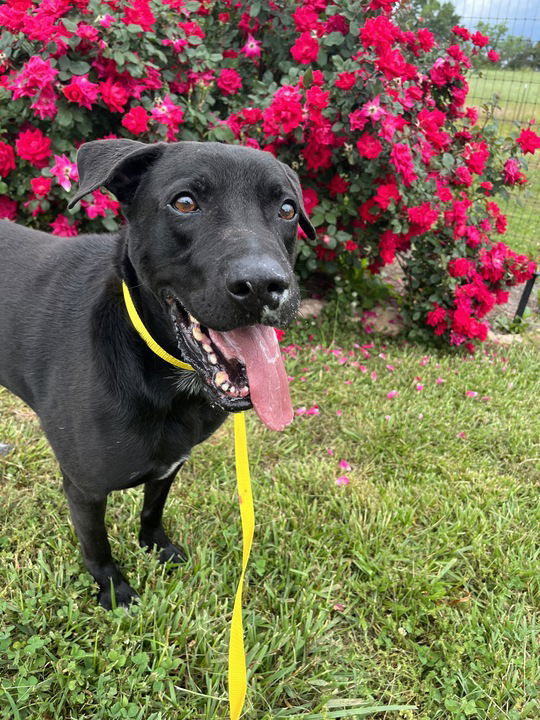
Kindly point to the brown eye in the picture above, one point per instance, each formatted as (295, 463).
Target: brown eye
(185, 204)
(287, 211)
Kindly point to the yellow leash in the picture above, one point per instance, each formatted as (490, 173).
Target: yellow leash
(237, 658)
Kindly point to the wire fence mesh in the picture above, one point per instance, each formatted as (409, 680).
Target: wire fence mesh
(514, 31)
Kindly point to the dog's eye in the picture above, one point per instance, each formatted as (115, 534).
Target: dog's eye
(185, 204)
(287, 211)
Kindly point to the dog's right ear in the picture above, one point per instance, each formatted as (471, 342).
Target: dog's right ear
(115, 164)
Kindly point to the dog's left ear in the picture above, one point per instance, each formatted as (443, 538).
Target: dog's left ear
(115, 164)
(306, 226)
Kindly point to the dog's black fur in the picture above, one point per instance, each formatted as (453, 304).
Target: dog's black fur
(115, 414)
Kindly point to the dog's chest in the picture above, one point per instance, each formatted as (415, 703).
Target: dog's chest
(167, 444)
(157, 472)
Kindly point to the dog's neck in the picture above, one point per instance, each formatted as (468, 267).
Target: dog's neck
(150, 309)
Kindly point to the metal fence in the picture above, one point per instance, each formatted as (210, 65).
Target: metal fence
(514, 30)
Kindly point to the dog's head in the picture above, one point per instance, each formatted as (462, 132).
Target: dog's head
(212, 233)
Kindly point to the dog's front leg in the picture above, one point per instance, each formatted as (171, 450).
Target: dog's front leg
(152, 533)
(88, 516)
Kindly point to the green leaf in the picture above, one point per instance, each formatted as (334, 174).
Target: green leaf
(69, 25)
(119, 58)
(79, 67)
(64, 118)
(308, 78)
(334, 38)
(448, 161)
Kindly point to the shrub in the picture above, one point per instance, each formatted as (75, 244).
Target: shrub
(372, 116)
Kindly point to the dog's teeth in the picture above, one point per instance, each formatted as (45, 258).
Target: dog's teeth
(197, 334)
(225, 386)
(244, 391)
(221, 377)
(193, 320)
(207, 348)
(213, 359)
(233, 390)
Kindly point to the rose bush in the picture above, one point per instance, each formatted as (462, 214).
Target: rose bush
(372, 116)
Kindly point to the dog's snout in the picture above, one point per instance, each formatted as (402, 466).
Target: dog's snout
(257, 284)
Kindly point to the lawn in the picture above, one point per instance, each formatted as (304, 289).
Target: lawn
(518, 93)
(414, 584)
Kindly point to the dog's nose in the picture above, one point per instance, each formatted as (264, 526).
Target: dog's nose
(257, 284)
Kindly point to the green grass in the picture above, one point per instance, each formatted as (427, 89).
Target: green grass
(518, 92)
(416, 584)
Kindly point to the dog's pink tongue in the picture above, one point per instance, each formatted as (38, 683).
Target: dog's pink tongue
(257, 348)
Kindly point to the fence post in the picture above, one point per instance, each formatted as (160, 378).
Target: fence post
(525, 297)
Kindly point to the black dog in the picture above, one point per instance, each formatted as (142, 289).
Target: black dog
(207, 252)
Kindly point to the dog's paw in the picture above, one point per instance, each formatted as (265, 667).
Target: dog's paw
(172, 554)
(167, 551)
(121, 595)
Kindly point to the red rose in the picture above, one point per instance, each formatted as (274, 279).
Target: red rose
(529, 141)
(463, 176)
(436, 316)
(8, 208)
(345, 80)
(369, 147)
(7, 159)
(229, 81)
(114, 95)
(493, 56)
(401, 159)
(476, 155)
(479, 40)
(460, 267)
(136, 120)
(512, 172)
(337, 185)
(41, 185)
(285, 112)
(32, 145)
(305, 18)
(252, 115)
(461, 32)
(426, 39)
(310, 197)
(305, 49)
(192, 29)
(316, 98)
(140, 14)
(81, 91)
(500, 224)
(386, 192)
(61, 226)
(317, 155)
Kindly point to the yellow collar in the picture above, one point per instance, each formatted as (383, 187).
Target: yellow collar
(145, 335)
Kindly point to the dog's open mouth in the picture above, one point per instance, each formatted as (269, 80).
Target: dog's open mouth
(241, 368)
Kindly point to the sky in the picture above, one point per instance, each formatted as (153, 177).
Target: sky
(521, 16)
